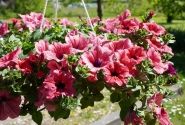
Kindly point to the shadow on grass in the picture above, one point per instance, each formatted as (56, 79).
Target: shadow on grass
(179, 62)
(179, 45)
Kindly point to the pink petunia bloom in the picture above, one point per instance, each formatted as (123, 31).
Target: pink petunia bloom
(156, 61)
(154, 103)
(109, 25)
(10, 59)
(136, 54)
(64, 83)
(53, 87)
(167, 49)
(40, 74)
(132, 56)
(155, 100)
(9, 105)
(60, 49)
(127, 26)
(154, 56)
(41, 46)
(124, 15)
(155, 43)
(97, 58)
(154, 28)
(56, 67)
(48, 88)
(97, 40)
(66, 22)
(56, 85)
(171, 70)
(93, 21)
(133, 119)
(17, 23)
(116, 74)
(33, 21)
(162, 116)
(57, 51)
(3, 29)
(78, 42)
(119, 45)
(24, 66)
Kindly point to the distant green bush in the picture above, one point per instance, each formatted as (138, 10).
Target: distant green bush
(179, 45)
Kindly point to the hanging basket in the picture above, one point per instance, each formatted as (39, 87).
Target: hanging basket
(56, 66)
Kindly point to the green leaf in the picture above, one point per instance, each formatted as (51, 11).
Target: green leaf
(149, 119)
(98, 97)
(137, 88)
(27, 47)
(24, 110)
(115, 97)
(86, 101)
(37, 35)
(123, 113)
(60, 113)
(126, 105)
(12, 38)
(37, 117)
(99, 86)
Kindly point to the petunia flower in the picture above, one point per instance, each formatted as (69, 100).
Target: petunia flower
(9, 105)
(155, 100)
(3, 29)
(124, 15)
(154, 28)
(41, 46)
(10, 59)
(162, 116)
(119, 45)
(127, 26)
(156, 61)
(171, 70)
(33, 21)
(154, 103)
(155, 43)
(131, 57)
(60, 49)
(133, 119)
(25, 66)
(97, 58)
(66, 22)
(116, 74)
(78, 42)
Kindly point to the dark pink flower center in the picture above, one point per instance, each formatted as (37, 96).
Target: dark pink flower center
(114, 73)
(134, 57)
(2, 99)
(60, 56)
(97, 63)
(60, 86)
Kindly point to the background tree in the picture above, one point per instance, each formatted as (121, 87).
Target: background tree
(13, 7)
(171, 8)
(25, 6)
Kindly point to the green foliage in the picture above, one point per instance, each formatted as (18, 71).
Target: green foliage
(26, 6)
(176, 8)
(21, 7)
(115, 97)
(138, 7)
